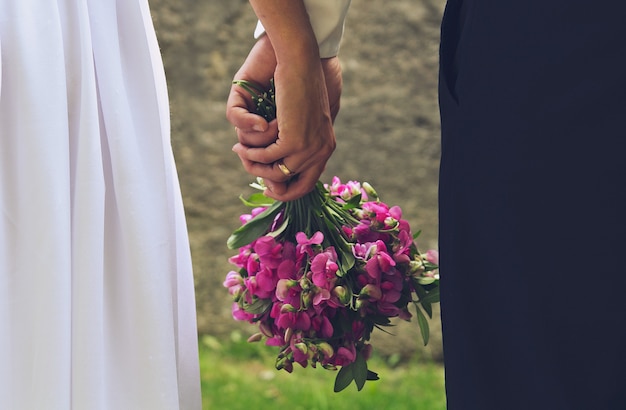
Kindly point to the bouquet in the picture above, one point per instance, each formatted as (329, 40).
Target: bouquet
(317, 275)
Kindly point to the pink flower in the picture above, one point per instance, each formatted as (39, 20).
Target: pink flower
(300, 351)
(241, 259)
(290, 318)
(380, 261)
(432, 256)
(247, 217)
(287, 269)
(364, 232)
(303, 307)
(284, 289)
(346, 191)
(276, 340)
(322, 295)
(345, 355)
(395, 212)
(322, 326)
(402, 248)
(240, 314)
(289, 291)
(233, 280)
(364, 251)
(305, 245)
(266, 281)
(324, 268)
(378, 210)
(269, 251)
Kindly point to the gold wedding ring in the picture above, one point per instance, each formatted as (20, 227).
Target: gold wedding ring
(286, 171)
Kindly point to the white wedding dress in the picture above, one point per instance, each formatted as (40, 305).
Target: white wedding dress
(97, 306)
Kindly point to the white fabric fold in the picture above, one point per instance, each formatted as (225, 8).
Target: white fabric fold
(97, 303)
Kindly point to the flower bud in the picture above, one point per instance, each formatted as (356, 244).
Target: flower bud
(425, 280)
(284, 363)
(305, 299)
(302, 347)
(255, 337)
(371, 291)
(305, 283)
(326, 349)
(361, 304)
(237, 294)
(287, 308)
(266, 330)
(283, 286)
(432, 256)
(370, 191)
(233, 279)
(390, 222)
(288, 334)
(343, 294)
(416, 267)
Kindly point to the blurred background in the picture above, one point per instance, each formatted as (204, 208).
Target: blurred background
(387, 132)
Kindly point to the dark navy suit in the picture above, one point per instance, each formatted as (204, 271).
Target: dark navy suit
(533, 204)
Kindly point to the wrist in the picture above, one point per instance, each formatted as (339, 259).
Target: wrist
(287, 24)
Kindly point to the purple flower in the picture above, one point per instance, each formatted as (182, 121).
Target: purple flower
(377, 210)
(301, 305)
(240, 314)
(247, 217)
(324, 268)
(345, 192)
(241, 259)
(402, 247)
(364, 232)
(233, 281)
(269, 251)
(290, 318)
(345, 355)
(266, 280)
(289, 291)
(305, 245)
(322, 326)
(380, 261)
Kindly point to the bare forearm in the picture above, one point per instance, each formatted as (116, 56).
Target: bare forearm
(288, 27)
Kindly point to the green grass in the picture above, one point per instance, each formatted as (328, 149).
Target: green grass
(240, 375)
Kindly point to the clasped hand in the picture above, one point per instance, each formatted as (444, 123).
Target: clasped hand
(301, 137)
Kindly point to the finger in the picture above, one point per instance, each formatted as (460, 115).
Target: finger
(240, 113)
(258, 139)
(277, 169)
(268, 154)
(295, 188)
(269, 171)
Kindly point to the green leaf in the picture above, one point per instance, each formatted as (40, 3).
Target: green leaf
(431, 297)
(257, 199)
(258, 306)
(354, 202)
(427, 306)
(372, 375)
(425, 297)
(344, 378)
(254, 228)
(359, 371)
(423, 325)
(276, 232)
